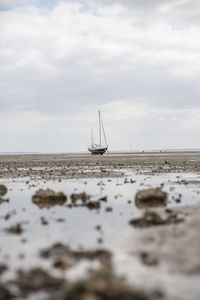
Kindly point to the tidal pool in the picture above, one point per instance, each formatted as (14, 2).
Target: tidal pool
(80, 227)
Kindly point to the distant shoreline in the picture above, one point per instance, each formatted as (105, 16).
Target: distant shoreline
(118, 157)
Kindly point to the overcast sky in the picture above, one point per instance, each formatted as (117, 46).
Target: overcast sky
(136, 60)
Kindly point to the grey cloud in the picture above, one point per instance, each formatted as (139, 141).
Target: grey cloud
(180, 13)
(93, 83)
(67, 62)
(133, 3)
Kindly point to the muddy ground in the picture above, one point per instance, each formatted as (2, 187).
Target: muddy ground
(140, 251)
(67, 166)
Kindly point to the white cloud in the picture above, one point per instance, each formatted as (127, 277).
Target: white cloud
(139, 62)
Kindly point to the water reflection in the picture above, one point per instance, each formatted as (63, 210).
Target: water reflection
(79, 225)
(48, 198)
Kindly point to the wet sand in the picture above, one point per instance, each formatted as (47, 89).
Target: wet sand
(92, 226)
(86, 165)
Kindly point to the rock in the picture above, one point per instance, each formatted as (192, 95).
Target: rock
(64, 262)
(10, 214)
(44, 221)
(108, 209)
(126, 180)
(64, 257)
(16, 229)
(132, 181)
(93, 204)
(3, 190)
(150, 197)
(3, 200)
(84, 198)
(151, 218)
(101, 285)
(34, 281)
(48, 198)
(168, 210)
(148, 258)
(104, 285)
(178, 200)
(55, 251)
(104, 199)
(60, 220)
(79, 196)
(4, 293)
(98, 227)
(3, 268)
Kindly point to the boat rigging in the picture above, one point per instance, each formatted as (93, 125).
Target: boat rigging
(98, 149)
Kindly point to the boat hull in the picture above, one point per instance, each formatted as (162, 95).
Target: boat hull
(98, 151)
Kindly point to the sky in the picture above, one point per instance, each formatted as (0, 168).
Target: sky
(138, 61)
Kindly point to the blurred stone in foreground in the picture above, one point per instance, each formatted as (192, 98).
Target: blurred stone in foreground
(48, 198)
(150, 197)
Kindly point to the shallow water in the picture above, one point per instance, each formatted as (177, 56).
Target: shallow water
(78, 226)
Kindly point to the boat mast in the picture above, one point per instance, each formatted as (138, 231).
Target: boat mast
(104, 132)
(99, 128)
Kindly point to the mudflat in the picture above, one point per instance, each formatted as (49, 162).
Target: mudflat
(25, 165)
(80, 223)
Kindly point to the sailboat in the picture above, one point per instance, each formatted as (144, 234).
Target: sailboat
(98, 148)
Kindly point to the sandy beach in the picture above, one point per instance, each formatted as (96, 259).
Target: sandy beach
(73, 220)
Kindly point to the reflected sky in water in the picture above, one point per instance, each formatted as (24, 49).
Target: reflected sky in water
(76, 226)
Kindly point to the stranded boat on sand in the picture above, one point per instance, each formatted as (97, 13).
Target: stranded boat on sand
(98, 148)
